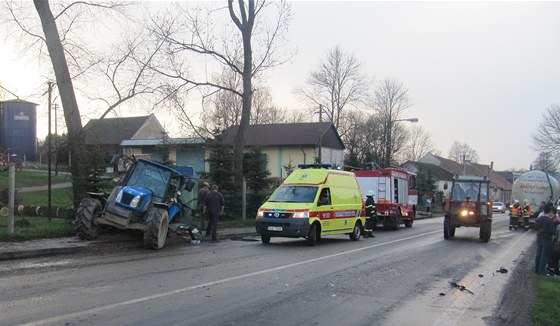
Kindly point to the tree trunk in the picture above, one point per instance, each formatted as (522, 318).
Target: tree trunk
(245, 26)
(68, 99)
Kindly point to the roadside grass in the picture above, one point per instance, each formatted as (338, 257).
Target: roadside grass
(38, 227)
(546, 310)
(59, 197)
(32, 178)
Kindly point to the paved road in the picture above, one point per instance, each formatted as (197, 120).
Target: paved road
(397, 278)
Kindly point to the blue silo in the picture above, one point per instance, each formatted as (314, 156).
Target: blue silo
(18, 128)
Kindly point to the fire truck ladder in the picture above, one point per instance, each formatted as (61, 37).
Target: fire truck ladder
(382, 189)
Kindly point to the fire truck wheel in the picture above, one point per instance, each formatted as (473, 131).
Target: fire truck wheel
(265, 238)
(356, 232)
(312, 236)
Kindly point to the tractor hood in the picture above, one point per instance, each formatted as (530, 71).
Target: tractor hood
(134, 198)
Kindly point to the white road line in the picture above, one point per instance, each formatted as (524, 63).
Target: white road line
(58, 319)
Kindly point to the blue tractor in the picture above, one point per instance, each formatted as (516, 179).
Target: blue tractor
(150, 197)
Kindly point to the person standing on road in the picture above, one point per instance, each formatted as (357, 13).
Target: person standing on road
(545, 232)
(428, 204)
(202, 193)
(553, 262)
(214, 207)
(371, 215)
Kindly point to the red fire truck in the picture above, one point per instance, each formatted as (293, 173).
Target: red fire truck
(395, 193)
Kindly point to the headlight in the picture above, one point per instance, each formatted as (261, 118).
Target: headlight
(466, 212)
(119, 197)
(135, 201)
(301, 215)
(260, 213)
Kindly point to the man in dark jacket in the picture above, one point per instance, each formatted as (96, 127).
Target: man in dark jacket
(545, 232)
(202, 193)
(214, 207)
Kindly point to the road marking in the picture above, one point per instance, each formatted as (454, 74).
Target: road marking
(58, 319)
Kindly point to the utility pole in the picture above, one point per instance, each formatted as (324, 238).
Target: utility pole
(50, 85)
(55, 140)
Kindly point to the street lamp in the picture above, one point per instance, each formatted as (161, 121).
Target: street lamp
(389, 129)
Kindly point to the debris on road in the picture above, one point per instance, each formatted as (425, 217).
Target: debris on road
(460, 287)
(502, 270)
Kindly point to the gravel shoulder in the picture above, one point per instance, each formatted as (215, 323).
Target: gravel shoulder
(519, 295)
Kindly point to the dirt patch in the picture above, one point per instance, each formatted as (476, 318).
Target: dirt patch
(519, 295)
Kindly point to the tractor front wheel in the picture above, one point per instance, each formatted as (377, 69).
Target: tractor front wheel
(87, 211)
(156, 229)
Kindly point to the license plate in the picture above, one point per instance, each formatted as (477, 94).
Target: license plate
(274, 228)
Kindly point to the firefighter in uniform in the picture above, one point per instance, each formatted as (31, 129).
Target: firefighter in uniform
(514, 214)
(371, 215)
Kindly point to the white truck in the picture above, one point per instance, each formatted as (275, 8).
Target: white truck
(531, 188)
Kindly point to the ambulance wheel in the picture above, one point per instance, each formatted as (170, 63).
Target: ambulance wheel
(312, 236)
(357, 232)
(265, 238)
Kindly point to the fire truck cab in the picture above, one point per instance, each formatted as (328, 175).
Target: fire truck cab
(395, 195)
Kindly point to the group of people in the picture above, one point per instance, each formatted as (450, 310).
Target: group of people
(547, 226)
(211, 205)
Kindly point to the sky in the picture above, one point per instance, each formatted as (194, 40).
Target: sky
(481, 73)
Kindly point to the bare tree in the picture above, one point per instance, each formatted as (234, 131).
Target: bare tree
(224, 108)
(545, 162)
(193, 32)
(68, 98)
(546, 138)
(419, 143)
(461, 152)
(390, 102)
(336, 84)
(112, 72)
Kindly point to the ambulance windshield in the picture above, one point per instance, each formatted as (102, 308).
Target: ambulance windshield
(294, 194)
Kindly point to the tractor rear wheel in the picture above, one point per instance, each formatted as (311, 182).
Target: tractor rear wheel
(156, 229)
(485, 230)
(87, 211)
(446, 228)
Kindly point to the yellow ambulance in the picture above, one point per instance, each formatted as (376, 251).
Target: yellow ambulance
(314, 201)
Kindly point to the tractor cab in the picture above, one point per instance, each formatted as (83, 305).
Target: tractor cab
(468, 206)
